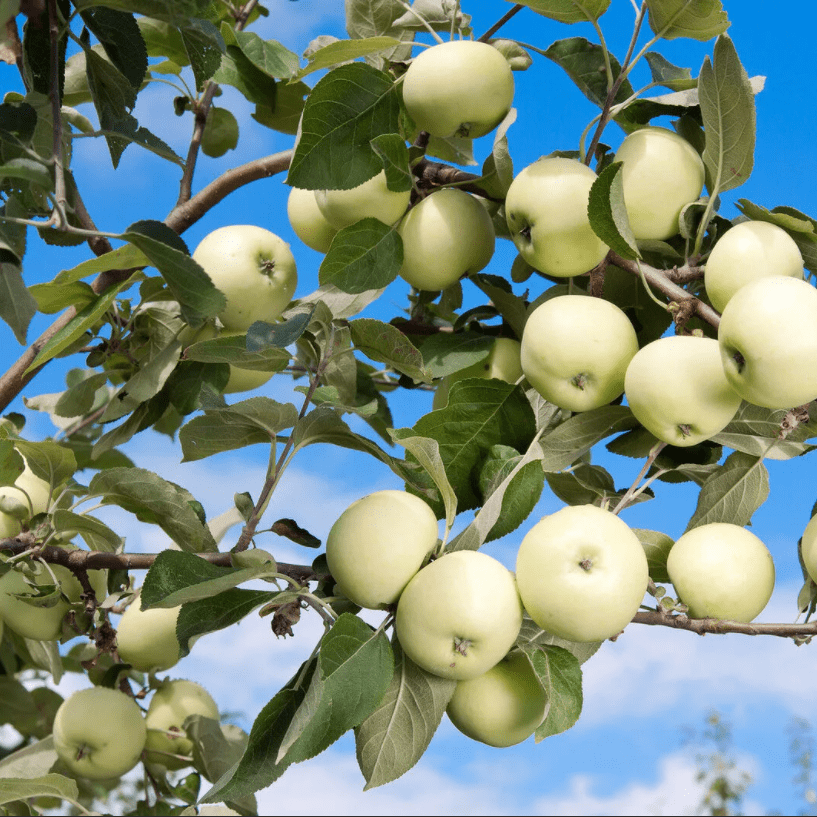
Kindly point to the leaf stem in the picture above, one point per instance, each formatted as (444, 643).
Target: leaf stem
(631, 491)
(500, 22)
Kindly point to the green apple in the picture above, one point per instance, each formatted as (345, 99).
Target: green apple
(377, 545)
(502, 707)
(43, 623)
(445, 236)
(31, 492)
(253, 268)
(546, 211)
(750, 250)
(170, 705)
(576, 349)
(502, 363)
(372, 199)
(307, 220)
(99, 733)
(662, 174)
(768, 339)
(146, 639)
(676, 388)
(459, 88)
(721, 571)
(460, 615)
(582, 573)
(808, 548)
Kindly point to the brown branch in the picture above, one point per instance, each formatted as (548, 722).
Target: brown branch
(702, 626)
(500, 22)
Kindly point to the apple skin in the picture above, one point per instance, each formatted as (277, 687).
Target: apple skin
(502, 707)
(582, 573)
(170, 705)
(307, 220)
(377, 545)
(808, 548)
(722, 571)
(662, 173)
(458, 88)
(106, 727)
(546, 211)
(146, 639)
(39, 492)
(372, 199)
(502, 363)
(772, 325)
(43, 623)
(460, 615)
(253, 268)
(677, 389)
(576, 349)
(749, 251)
(445, 236)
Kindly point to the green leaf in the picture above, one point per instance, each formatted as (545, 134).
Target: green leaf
(392, 150)
(733, 493)
(237, 70)
(217, 613)
(560, 674)
(262, 335)
(96, 535)
(364, 256)
(569, 11)
(52, 298)
(583, 485)
(344, 51)
(32, 761)
(497, 169)
(284, 112)
(575, 437)
(446, 353)
(49, 785)
(220, 132)
(531, 636)
(513, 308)
(348, 108)
(268, 56)
(177, 13)
(29, 170)
(204, 45)
(120, 36)
(669, 75)
(125, 257)
(371, 18)
(608, 215)
(190, 284)
(163, 40)
(697, 19)
(384, 343)
(17, 306)
(728, 111)
(395, 736)
(48, 460)
(156, 501)
(18, 121)
(233, 350)
(656, 546)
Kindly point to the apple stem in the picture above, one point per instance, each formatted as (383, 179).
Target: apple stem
(580, 381)
(685, 429)
(461, 645)
(585, 564)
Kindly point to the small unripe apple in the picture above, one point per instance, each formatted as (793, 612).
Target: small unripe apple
(377, 544)
(722, 571)
(576, 349)
(307, 220)
(768, 341)
(39, 494)
(662, 174)
(582, 573)
(170, 705)
(146, 639)
(546, 211)
(502, 363)
(808, 548)
(502, 707)
(372, 199)
(445, 236)
(458, 88)
(459, 615)
(750, 250)
(99, 733)
(677, 389)
(253, 268)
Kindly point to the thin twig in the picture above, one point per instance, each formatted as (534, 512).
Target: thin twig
(500, 22)
(625, 500)
(701, 626)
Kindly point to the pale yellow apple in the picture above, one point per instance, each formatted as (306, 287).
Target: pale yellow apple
(372, 199)
(677, 389)
(170, 705)
(445, 236)
(377, 545)
(31, 492)
(722, 571)
(546, 211)
(582, 573)
(768, 341)
(307, 220)
(502, 707)
(460, 615)
(458, 88)
(662, 173)
(502, 363)
(750, 250)
(99, 733)
(146, 639)
(808, 548)
(576, 349)
(253, 268)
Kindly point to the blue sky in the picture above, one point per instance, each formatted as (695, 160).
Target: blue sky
(627, 753)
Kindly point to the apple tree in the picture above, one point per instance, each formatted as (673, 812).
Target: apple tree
(636, 318)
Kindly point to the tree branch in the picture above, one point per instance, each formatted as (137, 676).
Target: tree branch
(501, 22)
(702, 626)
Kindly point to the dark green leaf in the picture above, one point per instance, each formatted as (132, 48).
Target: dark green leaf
(262, 336)
(17, 306)
(669, 75)
(178, 12)
(446, 353)
(204, 45)
(96, 535)
(268, 56)
(386, 344)
(283, 113)
(608, 215)
(391, 148)
(237, 70)
(121, 38)
(18, 121)
(232, 349)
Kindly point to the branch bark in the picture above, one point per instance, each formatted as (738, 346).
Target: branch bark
(702, 626)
